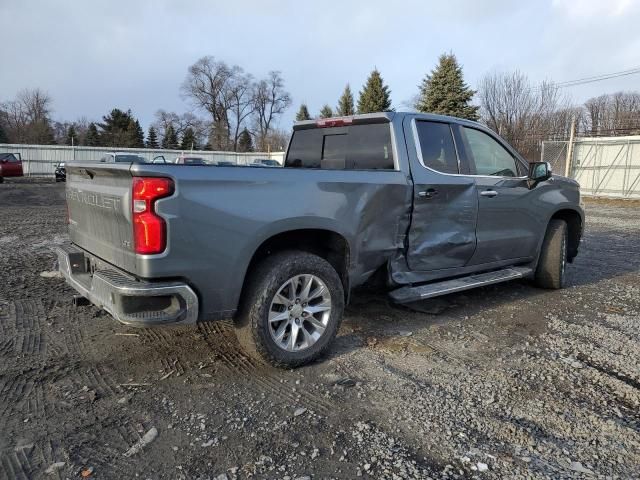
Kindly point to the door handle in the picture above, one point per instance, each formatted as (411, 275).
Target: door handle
(428, 193)
(489, 193)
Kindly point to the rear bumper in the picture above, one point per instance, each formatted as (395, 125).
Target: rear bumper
(128, 300)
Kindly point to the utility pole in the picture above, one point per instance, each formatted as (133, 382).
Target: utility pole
(569, 159)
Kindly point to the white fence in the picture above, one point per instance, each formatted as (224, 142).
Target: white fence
(41, 160)
(604, 166)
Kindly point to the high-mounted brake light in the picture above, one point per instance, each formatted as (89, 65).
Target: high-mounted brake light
(334, 122)
(149, 229)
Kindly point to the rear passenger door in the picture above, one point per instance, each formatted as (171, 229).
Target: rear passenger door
(445, 204)
(505, 229)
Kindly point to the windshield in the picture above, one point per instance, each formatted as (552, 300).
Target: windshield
(130, 159)
(193, 161)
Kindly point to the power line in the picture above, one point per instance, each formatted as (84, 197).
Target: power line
(593, 79)
(597, 78)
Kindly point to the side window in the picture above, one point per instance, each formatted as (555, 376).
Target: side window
(489, 157)
(356, 147)
(437, 147)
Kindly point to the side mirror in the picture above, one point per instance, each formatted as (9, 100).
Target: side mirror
(539, 171)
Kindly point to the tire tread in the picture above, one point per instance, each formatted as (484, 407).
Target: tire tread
(549, 269)
(256, 300)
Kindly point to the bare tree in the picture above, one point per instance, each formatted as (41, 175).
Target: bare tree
(27, 117)
(271, 100)
(180, 123)
(241, 102)
(231, 97)
(207, 85)
(617, 114)
(520, 112)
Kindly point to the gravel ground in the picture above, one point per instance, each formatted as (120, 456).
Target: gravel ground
(504, 381)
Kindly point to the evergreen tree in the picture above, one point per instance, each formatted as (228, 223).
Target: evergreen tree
(114, 129)
(188, 140)
(303, 113)
(71, 137)
(375, 96)
(134, 135)
(326, 112)
(139, 135)
(245, 143)
(170, 139)
(152, 138)
(444, 91)
(3, 136)
(92, 138)
(345, 104)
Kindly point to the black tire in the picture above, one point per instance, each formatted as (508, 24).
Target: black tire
(266, 280)
(550, 272)
(1, 179)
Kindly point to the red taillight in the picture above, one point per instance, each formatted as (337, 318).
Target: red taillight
(149, 229)
(334, 122)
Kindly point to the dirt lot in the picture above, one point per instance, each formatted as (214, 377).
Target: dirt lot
(504, 381)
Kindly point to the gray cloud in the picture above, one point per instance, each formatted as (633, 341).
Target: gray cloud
(93, 56)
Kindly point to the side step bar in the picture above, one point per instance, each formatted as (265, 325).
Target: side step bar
(421, 292)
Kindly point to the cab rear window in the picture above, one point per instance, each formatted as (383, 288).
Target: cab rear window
(354, 147)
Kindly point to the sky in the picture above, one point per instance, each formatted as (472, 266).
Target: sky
(92, 56)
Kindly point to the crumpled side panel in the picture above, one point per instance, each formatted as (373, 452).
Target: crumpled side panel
(383, 212)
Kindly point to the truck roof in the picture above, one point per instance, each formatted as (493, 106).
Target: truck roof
(378, 117)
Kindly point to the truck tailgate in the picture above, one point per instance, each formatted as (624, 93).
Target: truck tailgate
(99, 203)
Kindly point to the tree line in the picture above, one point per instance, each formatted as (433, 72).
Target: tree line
(234, 111)
(522, 112)
(238, 113)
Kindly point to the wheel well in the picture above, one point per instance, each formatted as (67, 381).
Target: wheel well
(574, 225)
(329, 245)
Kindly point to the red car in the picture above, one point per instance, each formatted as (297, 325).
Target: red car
(10, 165)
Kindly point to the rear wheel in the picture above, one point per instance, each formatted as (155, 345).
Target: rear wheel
(291, 309)
(552, 263)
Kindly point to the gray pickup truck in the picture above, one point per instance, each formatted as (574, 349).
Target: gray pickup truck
(430, 204)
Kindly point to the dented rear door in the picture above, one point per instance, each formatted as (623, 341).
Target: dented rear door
(445, 203)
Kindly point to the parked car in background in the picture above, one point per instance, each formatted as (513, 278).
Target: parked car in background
(226, 163)
(431, 204)
(10, 165)
(265, 162)
(61, 172)
(123, 157)
(189, 160)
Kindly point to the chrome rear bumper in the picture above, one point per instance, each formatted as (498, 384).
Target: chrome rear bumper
(128, 300)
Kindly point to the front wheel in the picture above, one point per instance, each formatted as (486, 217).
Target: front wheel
(291, 309)
(552, 263)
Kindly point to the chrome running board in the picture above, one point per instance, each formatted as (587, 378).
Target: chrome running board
(421, 292)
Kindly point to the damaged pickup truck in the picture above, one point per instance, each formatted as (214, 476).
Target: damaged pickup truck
(432, 204)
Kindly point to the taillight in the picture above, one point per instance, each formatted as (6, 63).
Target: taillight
(149, 229)
(334, 122)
